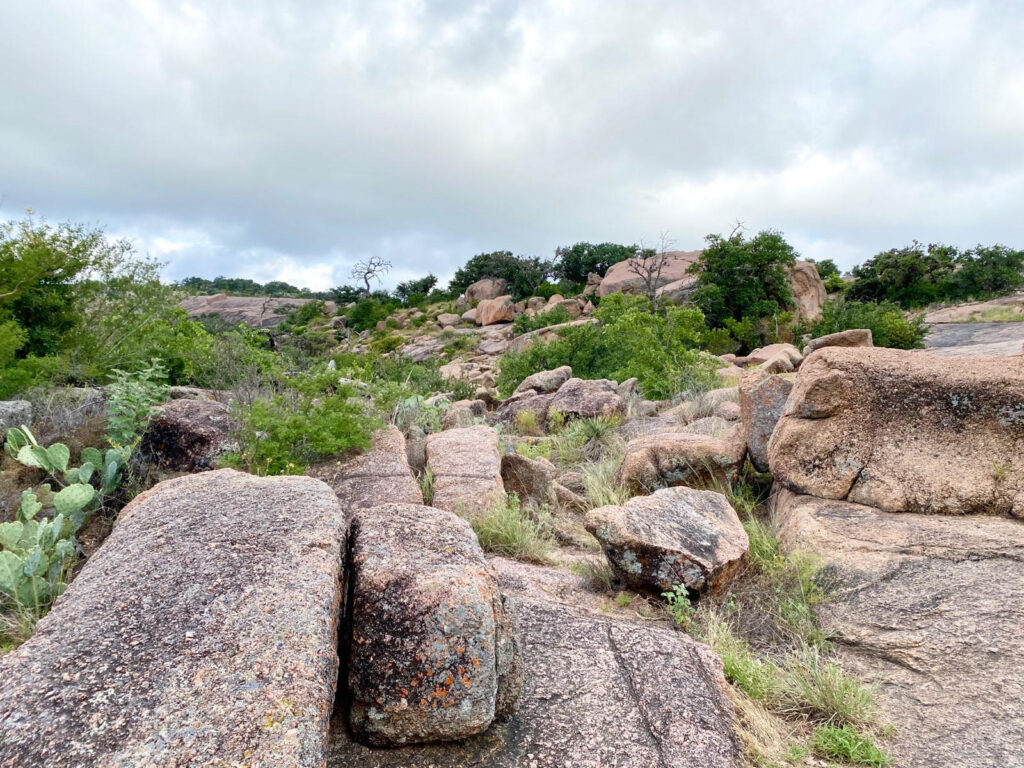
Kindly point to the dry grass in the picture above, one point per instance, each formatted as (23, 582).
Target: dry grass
(504, 528)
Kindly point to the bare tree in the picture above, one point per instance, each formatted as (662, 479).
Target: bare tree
(649, 269)
(373, 267)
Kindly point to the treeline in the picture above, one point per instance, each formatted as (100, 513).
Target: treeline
(241, 286)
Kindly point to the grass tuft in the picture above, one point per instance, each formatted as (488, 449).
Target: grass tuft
(505, 529)
(848, 744)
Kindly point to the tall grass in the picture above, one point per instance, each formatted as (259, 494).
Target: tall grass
(504, 528)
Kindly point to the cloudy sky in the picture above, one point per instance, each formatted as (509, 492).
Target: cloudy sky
(284, 140)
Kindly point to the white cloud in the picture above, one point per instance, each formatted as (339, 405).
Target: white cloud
(289, 139)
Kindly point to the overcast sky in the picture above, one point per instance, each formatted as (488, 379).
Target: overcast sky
(285, 140)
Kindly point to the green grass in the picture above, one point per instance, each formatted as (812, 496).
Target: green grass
(813, 686)
(602, 487)
(538, 450)
(1013, 314)
(504, 528)
(427, 486)
(848, 744)
(597, 575)
(527, 423)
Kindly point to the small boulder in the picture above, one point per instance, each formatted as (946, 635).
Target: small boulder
(582, 399)
(762, 400)
(469, 316)
(379, 476)
(729, 411)
(528, 400)
(462, 413)
(712, 426)
(674, 536)
(493, 311)
(466, 466)
(448, 319)
(679, 458)
(186, 435)
(487, 288)
(546, 381)
(855, 337)
(433, 653)
(765, 354)
(530, 479)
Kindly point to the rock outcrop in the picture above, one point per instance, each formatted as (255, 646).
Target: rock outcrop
(466, 467)
(487, 288)
(905, 432)
(674, 536)
(762, 401)
(382, 475)
(493, 311)
(679, 458)
(583, 398)
(929, 609)
(433, 652)
(622, 277)
(598, 692)
(808, 291)
(186, 435)
(855, 337)
(202, 632)
(253, 311)
(546, 382)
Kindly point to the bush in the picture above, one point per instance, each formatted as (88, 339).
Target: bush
(911, 277)
(414, 292)
(130, 396)
(631, 339)
(740, 279)
(314, 417)
(577, 262)
(524, 274)
(369, 311)
(386, 344)
(526, 323)
(888, 324)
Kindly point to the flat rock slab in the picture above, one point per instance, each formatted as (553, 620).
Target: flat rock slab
(674, 536)
(597, 693)
(379, 476)
(930, 608)
(203, 632)
(466, 466)
(433, 651)
(905, 432)
(975, 339)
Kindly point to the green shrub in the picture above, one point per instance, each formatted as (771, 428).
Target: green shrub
(888, 324)
(575, 263)
(523, 274)
(130, 396)
(631, 339)
(526, 323)
(368, 311)
(386, 344)
(848, 744)
(314, 417)
(504, 528)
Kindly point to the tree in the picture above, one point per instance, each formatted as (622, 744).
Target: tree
(523, 274)
(739, 278)
(650, 268)
(345, 294)
(913, 276)
(420, 287)
(988, 271)
(577, 262)
(373, 267)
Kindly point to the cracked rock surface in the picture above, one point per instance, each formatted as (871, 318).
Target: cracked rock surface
(598, 692)
(931, 609)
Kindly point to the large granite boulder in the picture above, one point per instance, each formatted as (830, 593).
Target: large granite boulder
(466, 467)
(382, 475)
(527, 400)
(584, 399)
(532, 480)
(493, 311)
(929, 609)
(433, 652)
(905, 432)
(253, 311)
(674, 536)
(487, 288)
(762, 400)
(202, 632)
(622, 277)
(855, 337)
(186, 435)
(809, 292)
(545, 382)
(599, 691)
(679, 458)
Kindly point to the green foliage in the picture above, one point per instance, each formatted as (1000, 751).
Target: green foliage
(826, 268)
(130, 396)
(298, 318)
(504, 528)
(38, 547)
(526, 323)
(240, 286)
(677, 601)
(415, 411)
(575, 263)
(631, 339)
(414, 292)
(386, 344)
(369, 311)
(918, 275)
(601, 483)
(888, 324)
(523, 273)
(738, 278)
(848, 744)
(312, 417)
(589, 439)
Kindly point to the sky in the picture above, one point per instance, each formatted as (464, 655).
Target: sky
(287, 140)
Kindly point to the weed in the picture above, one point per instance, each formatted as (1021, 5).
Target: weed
(526, 423)
(623, 599)
(847, 743)
(589, 439)
(427, 486)
(505, 529)
(679, 606)
(540, 449)
(597, 575)
(601, 483)
(813, 686)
